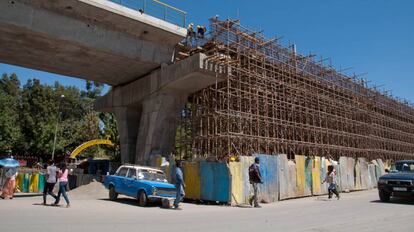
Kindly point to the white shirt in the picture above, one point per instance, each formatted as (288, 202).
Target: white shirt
(51, 172)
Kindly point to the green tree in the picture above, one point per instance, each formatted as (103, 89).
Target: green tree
(30, 115)
(10, 134)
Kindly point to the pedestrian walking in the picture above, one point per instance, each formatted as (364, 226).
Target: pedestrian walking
(255, 178)
(51, 177)
(63, 183)
(330, 178)
(179, 185)
(9, 184)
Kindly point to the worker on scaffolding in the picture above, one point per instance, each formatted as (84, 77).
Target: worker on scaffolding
(190, 32)
(201, 30)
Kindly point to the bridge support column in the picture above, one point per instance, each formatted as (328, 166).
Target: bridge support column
(148, 109)
(128, 118)
(158, 125)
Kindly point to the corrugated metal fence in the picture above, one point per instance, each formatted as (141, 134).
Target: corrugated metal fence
(283, 178)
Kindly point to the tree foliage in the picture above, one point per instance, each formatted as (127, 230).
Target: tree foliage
(31, 114)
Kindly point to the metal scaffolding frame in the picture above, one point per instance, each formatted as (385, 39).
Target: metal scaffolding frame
(276, 101)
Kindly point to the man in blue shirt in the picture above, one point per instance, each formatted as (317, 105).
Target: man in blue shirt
(179, 185)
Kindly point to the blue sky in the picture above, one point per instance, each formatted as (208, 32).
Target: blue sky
(371, 36)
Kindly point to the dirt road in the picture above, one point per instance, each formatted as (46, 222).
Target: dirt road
(356, 212)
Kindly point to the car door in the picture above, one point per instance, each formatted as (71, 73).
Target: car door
(130, 182)
(120, 185)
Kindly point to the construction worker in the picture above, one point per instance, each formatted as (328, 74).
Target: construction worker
(190, 30)
(200, 31)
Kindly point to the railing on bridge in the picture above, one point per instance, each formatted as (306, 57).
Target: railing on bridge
(157, 9)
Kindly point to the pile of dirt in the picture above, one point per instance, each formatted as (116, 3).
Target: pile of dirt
(93, 190)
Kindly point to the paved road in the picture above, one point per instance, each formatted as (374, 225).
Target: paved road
(356, 212)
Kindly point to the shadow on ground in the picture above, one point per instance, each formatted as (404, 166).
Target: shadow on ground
(19, 195)
(132, 202)
(401, 201)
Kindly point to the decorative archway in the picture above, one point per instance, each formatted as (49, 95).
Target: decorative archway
(88, 144)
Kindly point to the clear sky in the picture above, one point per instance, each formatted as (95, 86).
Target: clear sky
(371, 36)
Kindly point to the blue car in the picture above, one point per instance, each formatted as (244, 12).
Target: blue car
(143, 183)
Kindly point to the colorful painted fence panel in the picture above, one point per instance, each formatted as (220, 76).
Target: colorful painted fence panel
(377, 169)
(347, 177)
(293, 186)
(300, 175)
(372, 176)
(269, 190)
(246, 161)
(34, 183)
(324, 169)
(381, 168)
(215, 182)
(237, 185)
(287, 178)
(20, 181)
(308, 176)
(316, 176)
(365, 178)
(192, 180)
(358, 185)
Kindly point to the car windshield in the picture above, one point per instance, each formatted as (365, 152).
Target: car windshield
(151, 175)
(403, 166)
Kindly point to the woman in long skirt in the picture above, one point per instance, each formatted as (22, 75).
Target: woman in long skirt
(10, 184)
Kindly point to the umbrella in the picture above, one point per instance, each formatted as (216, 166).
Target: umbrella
(9, 163)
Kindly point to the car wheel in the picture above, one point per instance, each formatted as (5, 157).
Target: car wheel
(142, 198)
(113, 195)
(384, 196)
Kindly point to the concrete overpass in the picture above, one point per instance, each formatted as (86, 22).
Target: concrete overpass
(102, 41)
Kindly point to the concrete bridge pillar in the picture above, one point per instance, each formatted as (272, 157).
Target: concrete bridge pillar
(128, 124)
(148, 109)
(158, 124)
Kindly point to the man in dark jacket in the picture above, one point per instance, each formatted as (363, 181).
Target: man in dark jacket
(255, 179)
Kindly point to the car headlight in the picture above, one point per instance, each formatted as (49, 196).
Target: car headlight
(382, 181)
(154, 191)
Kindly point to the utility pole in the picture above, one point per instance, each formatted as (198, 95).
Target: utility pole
(56, 127)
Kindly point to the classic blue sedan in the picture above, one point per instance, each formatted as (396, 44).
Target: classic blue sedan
(144, 183)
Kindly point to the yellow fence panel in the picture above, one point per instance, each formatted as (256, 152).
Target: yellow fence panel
(34, 183)
(247, 189)
(237, 193)
(316, 176)
(300, 174)
(192, 180)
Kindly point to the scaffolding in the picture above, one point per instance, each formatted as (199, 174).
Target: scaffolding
(275, 101)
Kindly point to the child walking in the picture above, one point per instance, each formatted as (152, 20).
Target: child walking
(331, 180)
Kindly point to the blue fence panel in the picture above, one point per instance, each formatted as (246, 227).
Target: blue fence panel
(215, 182)
(269, 190)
